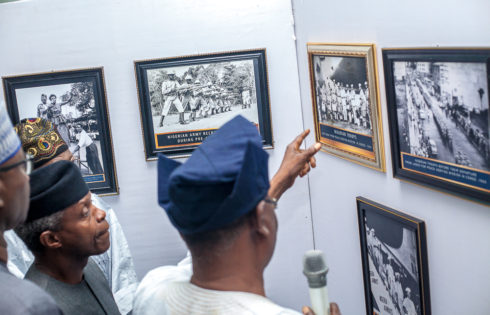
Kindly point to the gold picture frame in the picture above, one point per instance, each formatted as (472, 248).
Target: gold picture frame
(346, 103)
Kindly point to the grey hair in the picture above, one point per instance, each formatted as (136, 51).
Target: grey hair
(31, 232)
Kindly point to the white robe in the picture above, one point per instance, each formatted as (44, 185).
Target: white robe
(167, 291)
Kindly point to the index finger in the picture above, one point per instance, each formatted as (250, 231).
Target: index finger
(299, 139)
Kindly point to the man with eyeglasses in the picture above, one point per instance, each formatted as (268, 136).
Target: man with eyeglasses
(223, 205)
(16, 296)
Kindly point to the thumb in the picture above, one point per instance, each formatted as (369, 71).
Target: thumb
(312, 150)
(334, 309)
(307, 311)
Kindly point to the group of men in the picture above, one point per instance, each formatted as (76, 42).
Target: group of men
(392, 280)
(221, 201)
(54, 114)
(70, 132)
(341, 102)
(201, 100)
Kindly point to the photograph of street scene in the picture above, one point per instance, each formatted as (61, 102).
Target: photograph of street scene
(202, 96)
(342, 93)
(442, 110)
(393, 269)
(71, 108)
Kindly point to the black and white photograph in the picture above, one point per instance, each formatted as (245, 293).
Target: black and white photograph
(184, 100)
(203, 96)
(74, 108)
(342, 92)
(438, 105)
(443, 111)
(391, 255)
(346, 103)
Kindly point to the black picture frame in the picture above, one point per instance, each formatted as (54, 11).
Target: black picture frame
(87, 107)
(236, 82)
(394, 258)
(446, 109)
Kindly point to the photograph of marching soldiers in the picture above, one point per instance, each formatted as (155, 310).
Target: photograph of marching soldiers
(71, 108)
(442, 110)
(393, 270)
(342, 93)
(203, 96)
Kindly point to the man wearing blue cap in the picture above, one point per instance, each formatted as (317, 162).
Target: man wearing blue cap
(223, 205)
(16, 296)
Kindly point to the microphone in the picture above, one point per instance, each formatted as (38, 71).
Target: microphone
(315, 269)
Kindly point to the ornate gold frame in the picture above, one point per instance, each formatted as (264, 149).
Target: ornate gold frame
(344, 151)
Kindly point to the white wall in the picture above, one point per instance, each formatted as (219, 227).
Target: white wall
(38, 36)
(458, 232)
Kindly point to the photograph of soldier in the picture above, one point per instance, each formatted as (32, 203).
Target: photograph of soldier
(203, 96)
(442, 110)
(71, 107)
(393, 269)
(342, 92)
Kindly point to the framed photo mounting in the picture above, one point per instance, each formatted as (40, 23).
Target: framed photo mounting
(75, 101)
(185, 99)
(438, 106)
(394, 261)
(345, 98)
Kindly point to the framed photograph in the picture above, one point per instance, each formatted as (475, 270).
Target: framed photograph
(394, 261)
(439, 122)
(74, 101)
(345, 98)
(185, 99)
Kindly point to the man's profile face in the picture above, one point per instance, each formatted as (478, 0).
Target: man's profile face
(44, 99)
(53, 99)
(84, 229)
(14, 193)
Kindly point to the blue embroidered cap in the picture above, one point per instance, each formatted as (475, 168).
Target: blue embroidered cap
(9, 141)
(224, 179)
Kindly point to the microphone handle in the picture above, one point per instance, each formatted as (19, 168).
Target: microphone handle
(319, 301)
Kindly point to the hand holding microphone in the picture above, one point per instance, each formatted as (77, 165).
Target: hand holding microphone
(315, 269)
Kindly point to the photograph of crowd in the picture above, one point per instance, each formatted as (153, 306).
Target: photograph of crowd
(393, 270)
(342, 92)
(71, 107)
(203, 96)
(442, 110)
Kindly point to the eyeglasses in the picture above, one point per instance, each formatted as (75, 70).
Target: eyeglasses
(28, 161)
(272, 201)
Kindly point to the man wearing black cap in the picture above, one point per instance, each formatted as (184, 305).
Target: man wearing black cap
(223, 205)
(40, 138)
(63, 229)
(16, 296)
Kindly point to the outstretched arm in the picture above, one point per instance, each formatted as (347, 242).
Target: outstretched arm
(296, 162)
(68, 101)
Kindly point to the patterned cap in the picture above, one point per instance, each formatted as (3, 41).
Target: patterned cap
(41, 139)
(9, 142)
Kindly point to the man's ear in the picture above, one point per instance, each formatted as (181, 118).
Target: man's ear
(50, 239)
(262, 221)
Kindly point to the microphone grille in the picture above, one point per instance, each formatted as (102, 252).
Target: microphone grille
(314, 262)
